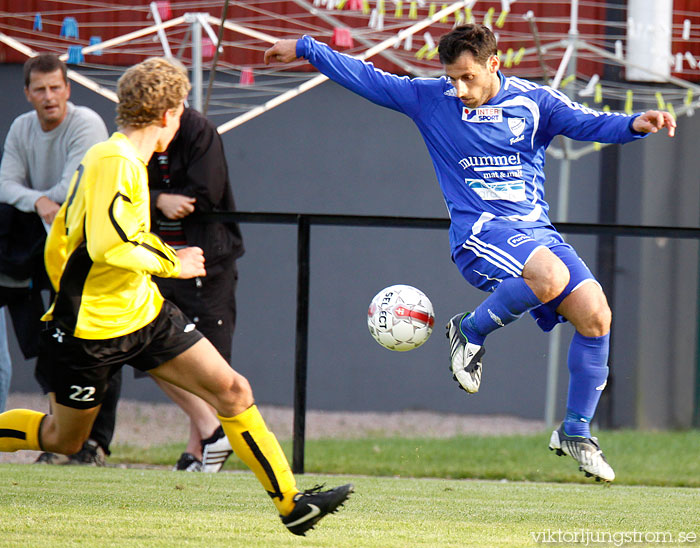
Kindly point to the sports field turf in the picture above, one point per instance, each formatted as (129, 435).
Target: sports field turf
(392, 507)
(670, 459)
(71, 506)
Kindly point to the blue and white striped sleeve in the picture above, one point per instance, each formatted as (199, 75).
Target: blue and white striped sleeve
(385, 89)
(573, 120)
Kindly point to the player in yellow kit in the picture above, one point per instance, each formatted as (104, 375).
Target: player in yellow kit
(100, 257)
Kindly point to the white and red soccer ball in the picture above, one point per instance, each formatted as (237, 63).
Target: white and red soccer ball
(400, 318)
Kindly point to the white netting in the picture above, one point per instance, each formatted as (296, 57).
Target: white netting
(401, 36)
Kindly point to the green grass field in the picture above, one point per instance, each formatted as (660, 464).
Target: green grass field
(393, 505)
(669, 459)
(57, 507)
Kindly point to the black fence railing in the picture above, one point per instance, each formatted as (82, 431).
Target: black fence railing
(304, 221)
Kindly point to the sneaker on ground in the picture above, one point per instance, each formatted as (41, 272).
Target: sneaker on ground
(90, 455)
(585, 451)
(188, 463)
(465, 357)
(51, 458)
(312, 505)
(215, 450)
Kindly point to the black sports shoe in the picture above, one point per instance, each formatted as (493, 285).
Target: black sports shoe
(90, 455)
(465, 357)
(51, 458)
(215, 450)
(585, 451)
(312, 505)
(188, 463)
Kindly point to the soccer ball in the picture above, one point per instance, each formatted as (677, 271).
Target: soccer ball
(400, 318)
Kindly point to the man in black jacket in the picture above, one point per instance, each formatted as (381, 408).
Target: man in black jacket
(189, 178)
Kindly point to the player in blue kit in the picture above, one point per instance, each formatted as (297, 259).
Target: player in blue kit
(487, 135)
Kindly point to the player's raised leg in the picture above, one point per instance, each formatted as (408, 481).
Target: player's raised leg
(587, 309)
(521, 279)
(201, 370)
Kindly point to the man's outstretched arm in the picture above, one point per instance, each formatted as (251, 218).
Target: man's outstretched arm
(382, 88)
(284, 51)
(654, 120)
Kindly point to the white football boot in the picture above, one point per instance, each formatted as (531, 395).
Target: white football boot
(585, 451)
(215, 450)
(465, 357)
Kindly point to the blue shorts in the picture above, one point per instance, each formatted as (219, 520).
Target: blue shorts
(489, 257)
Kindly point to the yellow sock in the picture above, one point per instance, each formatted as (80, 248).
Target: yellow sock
(256, 446)
(19, 429)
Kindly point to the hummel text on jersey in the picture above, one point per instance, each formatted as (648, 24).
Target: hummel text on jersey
(482, 161)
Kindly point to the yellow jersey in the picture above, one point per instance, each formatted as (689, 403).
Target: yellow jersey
(99, 253)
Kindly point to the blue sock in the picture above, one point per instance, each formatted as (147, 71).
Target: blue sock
(588, 371)
(511, 299)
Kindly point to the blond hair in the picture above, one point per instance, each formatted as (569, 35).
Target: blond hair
(148, 89)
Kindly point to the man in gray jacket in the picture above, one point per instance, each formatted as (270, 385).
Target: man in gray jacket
(42, 152)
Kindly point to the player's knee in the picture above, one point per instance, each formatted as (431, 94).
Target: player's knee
(546, 275)
(601, 320)
(52, 441)
(598, 320)
(243, 393)
(553, 281)
(235, 398)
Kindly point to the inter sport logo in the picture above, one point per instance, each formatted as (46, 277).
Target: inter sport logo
(483, 115)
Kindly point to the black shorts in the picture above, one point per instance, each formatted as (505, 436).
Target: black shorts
(78, 370)
(210, 303)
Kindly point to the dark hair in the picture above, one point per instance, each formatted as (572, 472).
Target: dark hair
(44, 62)
(476, 39)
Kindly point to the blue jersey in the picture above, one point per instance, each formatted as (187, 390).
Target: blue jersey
(489, 161)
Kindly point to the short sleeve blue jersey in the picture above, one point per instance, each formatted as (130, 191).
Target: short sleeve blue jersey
(489, 161)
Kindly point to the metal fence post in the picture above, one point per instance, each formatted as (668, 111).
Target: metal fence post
(302, 342)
